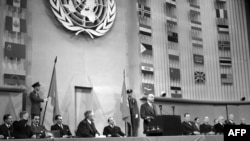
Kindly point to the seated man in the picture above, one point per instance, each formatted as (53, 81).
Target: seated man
(196, 125)
(219, 127)
(206, 128)
(6, 129)
(243, 121)
(86, 127)
(230, 120)
(64, 129)
(111, 130)
(187, 126)
(38, 131)
(21, 129)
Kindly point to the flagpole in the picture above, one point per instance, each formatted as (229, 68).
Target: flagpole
(49, 90)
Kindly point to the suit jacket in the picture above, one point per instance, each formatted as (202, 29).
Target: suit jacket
(187, 129)
(85, 129)
(21, 130)
(113, 131)
(147, 111)
(63, 131)
(6, 131)
(206, 128)
(196, 127)
(35, 103)
(229, 122)
(218, 128)
(39, 131)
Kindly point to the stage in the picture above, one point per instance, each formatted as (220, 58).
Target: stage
(160, 138)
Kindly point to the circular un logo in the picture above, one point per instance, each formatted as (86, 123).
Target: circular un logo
(94, 17)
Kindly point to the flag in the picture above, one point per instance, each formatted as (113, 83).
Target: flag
(17, 3)
(221, 13)
(199, 77)
(173, 57)
(225, 61)
(13, 50)
(147, 88)
(196, 25)
(146, 49)
(53, 93)
(227, 78)
(198, 59)
(223, 29)
(147, 68)
(14, 24)
(172, 36)
(13, 79)
(176, 92)
(144, 11)
(175, 74)
(145, 30)
(224, 45)
(124, 105)
(172, 20)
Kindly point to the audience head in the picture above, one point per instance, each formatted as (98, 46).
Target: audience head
(58, 119)
(221, 119)
(7, 119)
(111, 121)
(24, 115)
(187, 117)
(243, 121)
(231, 117)
(35, 119)
(89, 115)
(197, 120)
(206, 119)
(150, 98)
(216, 120)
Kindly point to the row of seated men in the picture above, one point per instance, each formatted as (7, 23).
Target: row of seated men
(21, 129)
(195, 128)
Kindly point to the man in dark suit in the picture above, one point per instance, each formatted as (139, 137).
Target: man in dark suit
(219, 127)
(36, 100)
(21, 129)
(64, 129)
(111, 130)
(37, 131)
(134, 114)
(196, 125)
(6, 129)
(187, 126)
(148, 112)
(87, 128)
(230, 120)
(206, 128)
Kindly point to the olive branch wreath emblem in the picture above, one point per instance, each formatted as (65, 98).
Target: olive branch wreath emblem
(100, 30)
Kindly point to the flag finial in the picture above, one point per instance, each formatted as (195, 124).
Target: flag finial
(56, 59)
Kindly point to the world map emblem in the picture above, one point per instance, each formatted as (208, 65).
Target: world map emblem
(94, 17)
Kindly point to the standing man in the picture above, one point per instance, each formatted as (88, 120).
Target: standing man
(6, 129)
(86, 128)
(64, 129)
(148, 112)
(36, 100)
(134, 113)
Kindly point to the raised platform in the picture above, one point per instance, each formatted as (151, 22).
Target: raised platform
(160, 138)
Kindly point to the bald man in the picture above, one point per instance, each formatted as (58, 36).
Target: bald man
(148, 111)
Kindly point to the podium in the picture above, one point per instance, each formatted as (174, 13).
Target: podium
(165, 125)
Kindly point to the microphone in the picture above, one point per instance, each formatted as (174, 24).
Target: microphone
(160, 106)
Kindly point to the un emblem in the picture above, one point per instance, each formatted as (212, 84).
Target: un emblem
(94, 17)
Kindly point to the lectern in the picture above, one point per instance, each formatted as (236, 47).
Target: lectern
(165, 125)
